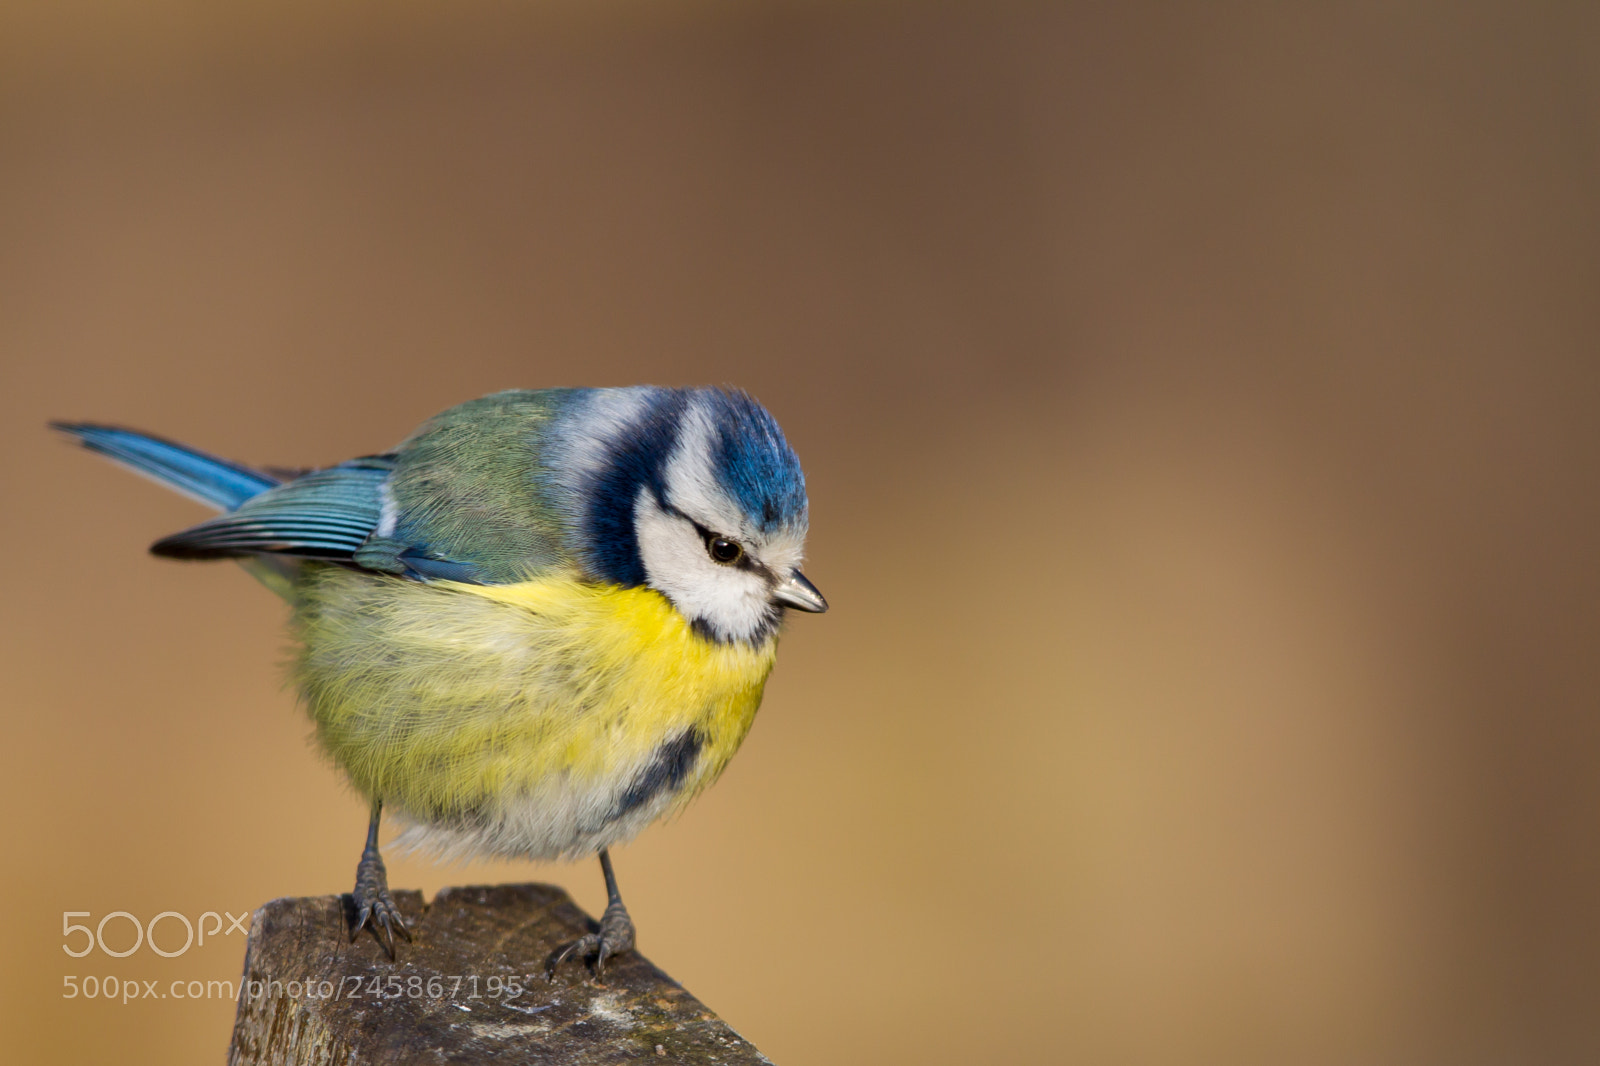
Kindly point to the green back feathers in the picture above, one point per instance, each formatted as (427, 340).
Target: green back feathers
(468, 489)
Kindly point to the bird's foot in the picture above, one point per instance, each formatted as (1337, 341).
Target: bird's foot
(373, 904)
(614, 937)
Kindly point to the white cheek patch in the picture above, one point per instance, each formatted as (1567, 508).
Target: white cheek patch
(731, 601)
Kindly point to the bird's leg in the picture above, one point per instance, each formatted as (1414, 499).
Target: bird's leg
(374, 905)
(616, 928)
(614, 937)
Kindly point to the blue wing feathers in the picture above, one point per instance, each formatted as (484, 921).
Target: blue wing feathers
(216, 482)
(327, 514)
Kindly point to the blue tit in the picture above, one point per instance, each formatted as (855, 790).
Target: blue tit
(539, 624)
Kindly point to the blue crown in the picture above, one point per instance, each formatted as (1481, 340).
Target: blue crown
(752, 461)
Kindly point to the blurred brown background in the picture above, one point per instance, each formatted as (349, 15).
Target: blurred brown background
(1200, 415)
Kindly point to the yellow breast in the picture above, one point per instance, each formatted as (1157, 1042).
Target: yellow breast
(451, 701)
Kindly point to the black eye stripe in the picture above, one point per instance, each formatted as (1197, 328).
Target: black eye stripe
(744, 561)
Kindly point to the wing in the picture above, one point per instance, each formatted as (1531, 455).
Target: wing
(337, 514)
(461, 499)
(326, 514)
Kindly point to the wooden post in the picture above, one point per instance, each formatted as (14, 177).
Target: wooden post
(470, 988)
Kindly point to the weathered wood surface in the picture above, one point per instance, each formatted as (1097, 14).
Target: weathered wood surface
(470, 988)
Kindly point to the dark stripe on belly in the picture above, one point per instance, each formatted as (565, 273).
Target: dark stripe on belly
(667, 770)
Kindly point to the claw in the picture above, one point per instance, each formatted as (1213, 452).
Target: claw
(383, 917)
(614, 937)
(580, 947)
(392, 913)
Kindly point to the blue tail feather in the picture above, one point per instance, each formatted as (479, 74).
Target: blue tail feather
(217, 482)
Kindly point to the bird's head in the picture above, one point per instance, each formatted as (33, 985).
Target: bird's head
(696, 494)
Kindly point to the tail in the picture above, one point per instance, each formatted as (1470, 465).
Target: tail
(219, 483)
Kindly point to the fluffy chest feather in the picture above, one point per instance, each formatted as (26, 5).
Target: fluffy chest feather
(538, 719)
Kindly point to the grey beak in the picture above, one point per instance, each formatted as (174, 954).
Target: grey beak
(800, 594)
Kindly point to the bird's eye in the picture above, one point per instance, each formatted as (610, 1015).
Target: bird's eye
(724, 551)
